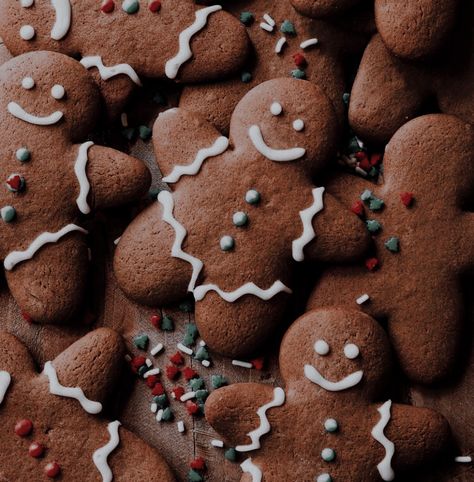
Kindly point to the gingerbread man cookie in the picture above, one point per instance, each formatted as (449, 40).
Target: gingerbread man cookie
(423, 239)
(50, 424)
(131, 39)
(51, 177)
(332, 422)
(236, 224)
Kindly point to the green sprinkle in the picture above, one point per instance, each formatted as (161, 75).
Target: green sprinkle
(288, 28)
(252, 196)
(373, 225)
(331, 425)
(159, 99)
(191, 329)
(194, 476)
(231, 454)
(23, 154)
(153, 193)
(188, 340)
(393, 244)
(366, 195)
(186, 306)
(144, 132)
(247, 18)
(202, 354)
(131, 6)
(167, 415)
(346, 97)
(142, 370)
(298, 74)
(196, 384)
(218, 381)
(354, 145)
(141, 341)
(376, 204)
(373, 171)
(167, 323)
(246, 77)
(202, 395)
(129, 133)
(201, 406)
(8, 214)
(161, 400)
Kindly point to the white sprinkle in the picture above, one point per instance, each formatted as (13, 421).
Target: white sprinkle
(124, 119)
(217, 443)
(28, 83)
(298, 125)
(463, 459)
(188, 396)
(359, 143)
(27, 32)
(184, 349)
(148, 363)
(202, 343)
(309, 43)
(154, 371)
(128, 358)
(117, 241)
(243, 364)
(276, 108)
(155, 350)
(154, 407)
(266, 27)
(269, 20)
(206, 363)
(360, 171)
(159, 415)
(362, 299)
(279, 45)
(180, 425)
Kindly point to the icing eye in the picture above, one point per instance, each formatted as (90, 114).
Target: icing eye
(28, 83)
(27, 3)
(27, 32)
(351, 351)
(58, 92)
(298, 125)
(321, 348)
(276, 108)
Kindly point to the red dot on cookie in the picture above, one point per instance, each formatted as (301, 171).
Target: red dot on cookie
(155, 320)
(154, 6)
(52, 470)
(107, 6)
(371, 263)
(299, 59)
(358, 208)
(258, 363)
(36, 450)
(26, 317)
(406, 198)
(23, 427)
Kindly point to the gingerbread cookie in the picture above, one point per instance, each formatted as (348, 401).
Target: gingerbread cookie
(51, 176)
(132, 39)
(235, 224)
(51, 424)
(284, 44)
(332, 421)
(423, 244)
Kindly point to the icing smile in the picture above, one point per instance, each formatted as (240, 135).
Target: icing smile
(348, 382)
(279, 155)
(17, 111)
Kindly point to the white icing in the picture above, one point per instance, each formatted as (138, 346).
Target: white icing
(69, 392)
(348, 382)
(17, 111)
(27, 32)
(220, 145)
(269, 20)
(266, 26)
(321, 347)
(298, 125)
(16, 257)
(279, 45)
(27, 3)
(247, 289)
(276, 108)
(58, 92)
(108, 72)
(165, 198)
(80, 170)
(280, 155)
(185, 53)
(351, 351)
(307, 216)
(63, 18)
(264, 428)
(100, 455)
(309, 43)
(250, 468)
(385, 466)
(27, 83)
(5, 380)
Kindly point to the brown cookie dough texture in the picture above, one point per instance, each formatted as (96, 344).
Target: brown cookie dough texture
(235, 224)
(332, 421)
(64, 405)
(181, 41)
(416, 289)
(50, 177)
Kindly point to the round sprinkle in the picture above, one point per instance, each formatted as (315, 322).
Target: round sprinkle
(35, 450)
(252, 196)
(227, 243)
(58, 92)
(154, 6)
(321, 348)
(27, 3)
(331, 425)
(23, 427)
(328, 455)
(15, 183)
(351, 351)
(298, 125)
(28, 83)
(27, 32)
(23, 154)
(131, 6)
(276, 108)
(7, 214)
(240, 218)
(324, 478)
(52, 470)
(107, 6)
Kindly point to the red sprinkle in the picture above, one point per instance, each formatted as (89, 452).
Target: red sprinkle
(23, 427)
(177, 358)
(258, 363)
(364, 164)
(155, 320)
(300, 60)
(15, 182)
(371, 263)
(172, 372)
(158, 389)
(360, 155)
(178, 392)
(52, 470)
(154, 6)
(151, 381)
(375, 159)
(189, 373)
(137, 362)
(107, 6)
(26, 317)
(35, 450)
(192, 407)
(358, 208)
(198, 464)
(407, 198)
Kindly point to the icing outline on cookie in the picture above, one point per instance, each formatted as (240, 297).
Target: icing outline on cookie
(100, 455)
(17, 111)
(385, 466)
(250, 468)
(62, 24)
(80, 167)
(315, 376)
(5, 380)
(107, 73)
(278, 155)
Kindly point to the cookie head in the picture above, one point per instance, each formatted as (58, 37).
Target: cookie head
(47, 90)
(286, 121)
(337, 351)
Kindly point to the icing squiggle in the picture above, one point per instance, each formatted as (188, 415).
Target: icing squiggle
(247, 289)
(385, 466)
(348, 382)
(250, 468)
(220, 145)
(17, 111)
(16, 257)
(108, 72)
(185, 53)
(165, 198)
(307, 216)
(100, 455)
(80, 171)
(5, 380)
(279, 155)
(69, 392)
(278, 401)
(63, 18)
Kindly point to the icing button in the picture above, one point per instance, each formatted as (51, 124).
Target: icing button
(252, 196)
(328, 455)
(23, 154)
(27, 32)
(324, 478)
(15, 183)
(7, 214)
(331, 425)
(240, 218)
(131, 6)
(227, 243)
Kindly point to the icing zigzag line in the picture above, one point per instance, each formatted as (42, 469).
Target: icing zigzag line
(385, 466)
(100, 455)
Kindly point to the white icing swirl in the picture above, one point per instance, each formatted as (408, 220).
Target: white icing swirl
(5, 380)
(108, 72)
(250, 468)
(100, 455)
(80, 170)
(347, 382)
(63, 18)
(17, 111)
(385, 466)
(279, 155)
